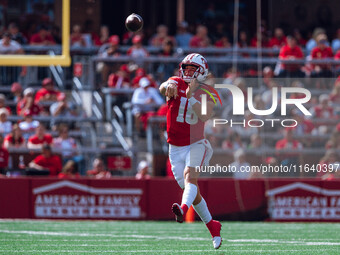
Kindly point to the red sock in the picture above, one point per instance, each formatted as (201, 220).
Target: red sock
(184, 208)
(214, 231)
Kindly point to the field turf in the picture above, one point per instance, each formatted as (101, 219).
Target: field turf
(127, 237)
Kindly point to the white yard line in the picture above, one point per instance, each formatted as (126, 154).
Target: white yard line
(160, 251)
(179, 238)
(307, 242)
(107, 235)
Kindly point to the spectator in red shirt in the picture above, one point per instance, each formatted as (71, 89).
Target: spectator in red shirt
(291, 51)
(104, 35)
(223, 42)
(40, 138)
(200, 39)
(337, 57)
(112, 47)
(288, 143)
(27, 104)
(120, 79)
(48, 161)
(137, 50)
(279, 39)
(48, 92)
(323, 109)
(99, 171)
(264, 43)
(70, 170)
(127, 37)
(43, 37)
(15, 138)
(109, 50)
(4, 155)
(140, 73)
(321, 51)
(76, 37)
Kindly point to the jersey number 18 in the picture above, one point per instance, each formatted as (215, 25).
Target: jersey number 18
(190, 116)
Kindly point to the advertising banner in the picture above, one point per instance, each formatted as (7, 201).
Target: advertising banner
(85, 199)
(304, 200)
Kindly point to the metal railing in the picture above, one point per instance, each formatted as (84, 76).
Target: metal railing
(109, 93)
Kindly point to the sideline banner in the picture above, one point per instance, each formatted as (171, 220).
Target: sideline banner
(130, 199)
(290, 200)
(93, 199)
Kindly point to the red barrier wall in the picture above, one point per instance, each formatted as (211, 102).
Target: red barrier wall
(274, 199)
(15, 198)
(331, 190)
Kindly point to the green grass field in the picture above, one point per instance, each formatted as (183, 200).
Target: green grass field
(127, 237)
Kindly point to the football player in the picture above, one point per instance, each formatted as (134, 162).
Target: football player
(188, 148)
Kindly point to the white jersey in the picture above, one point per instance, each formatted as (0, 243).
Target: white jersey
(11, 48)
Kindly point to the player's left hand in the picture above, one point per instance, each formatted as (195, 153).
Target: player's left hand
(193, 85)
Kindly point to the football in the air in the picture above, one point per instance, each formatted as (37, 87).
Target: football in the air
(134, 22)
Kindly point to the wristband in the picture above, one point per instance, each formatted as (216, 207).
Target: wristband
(193, 101)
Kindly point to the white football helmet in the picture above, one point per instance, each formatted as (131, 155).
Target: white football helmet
(197, 60)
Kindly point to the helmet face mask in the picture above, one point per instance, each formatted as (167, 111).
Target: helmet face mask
(195, 60)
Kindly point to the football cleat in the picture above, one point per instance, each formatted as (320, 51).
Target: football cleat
(177, 210)
(215, 230)
(217, 241)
